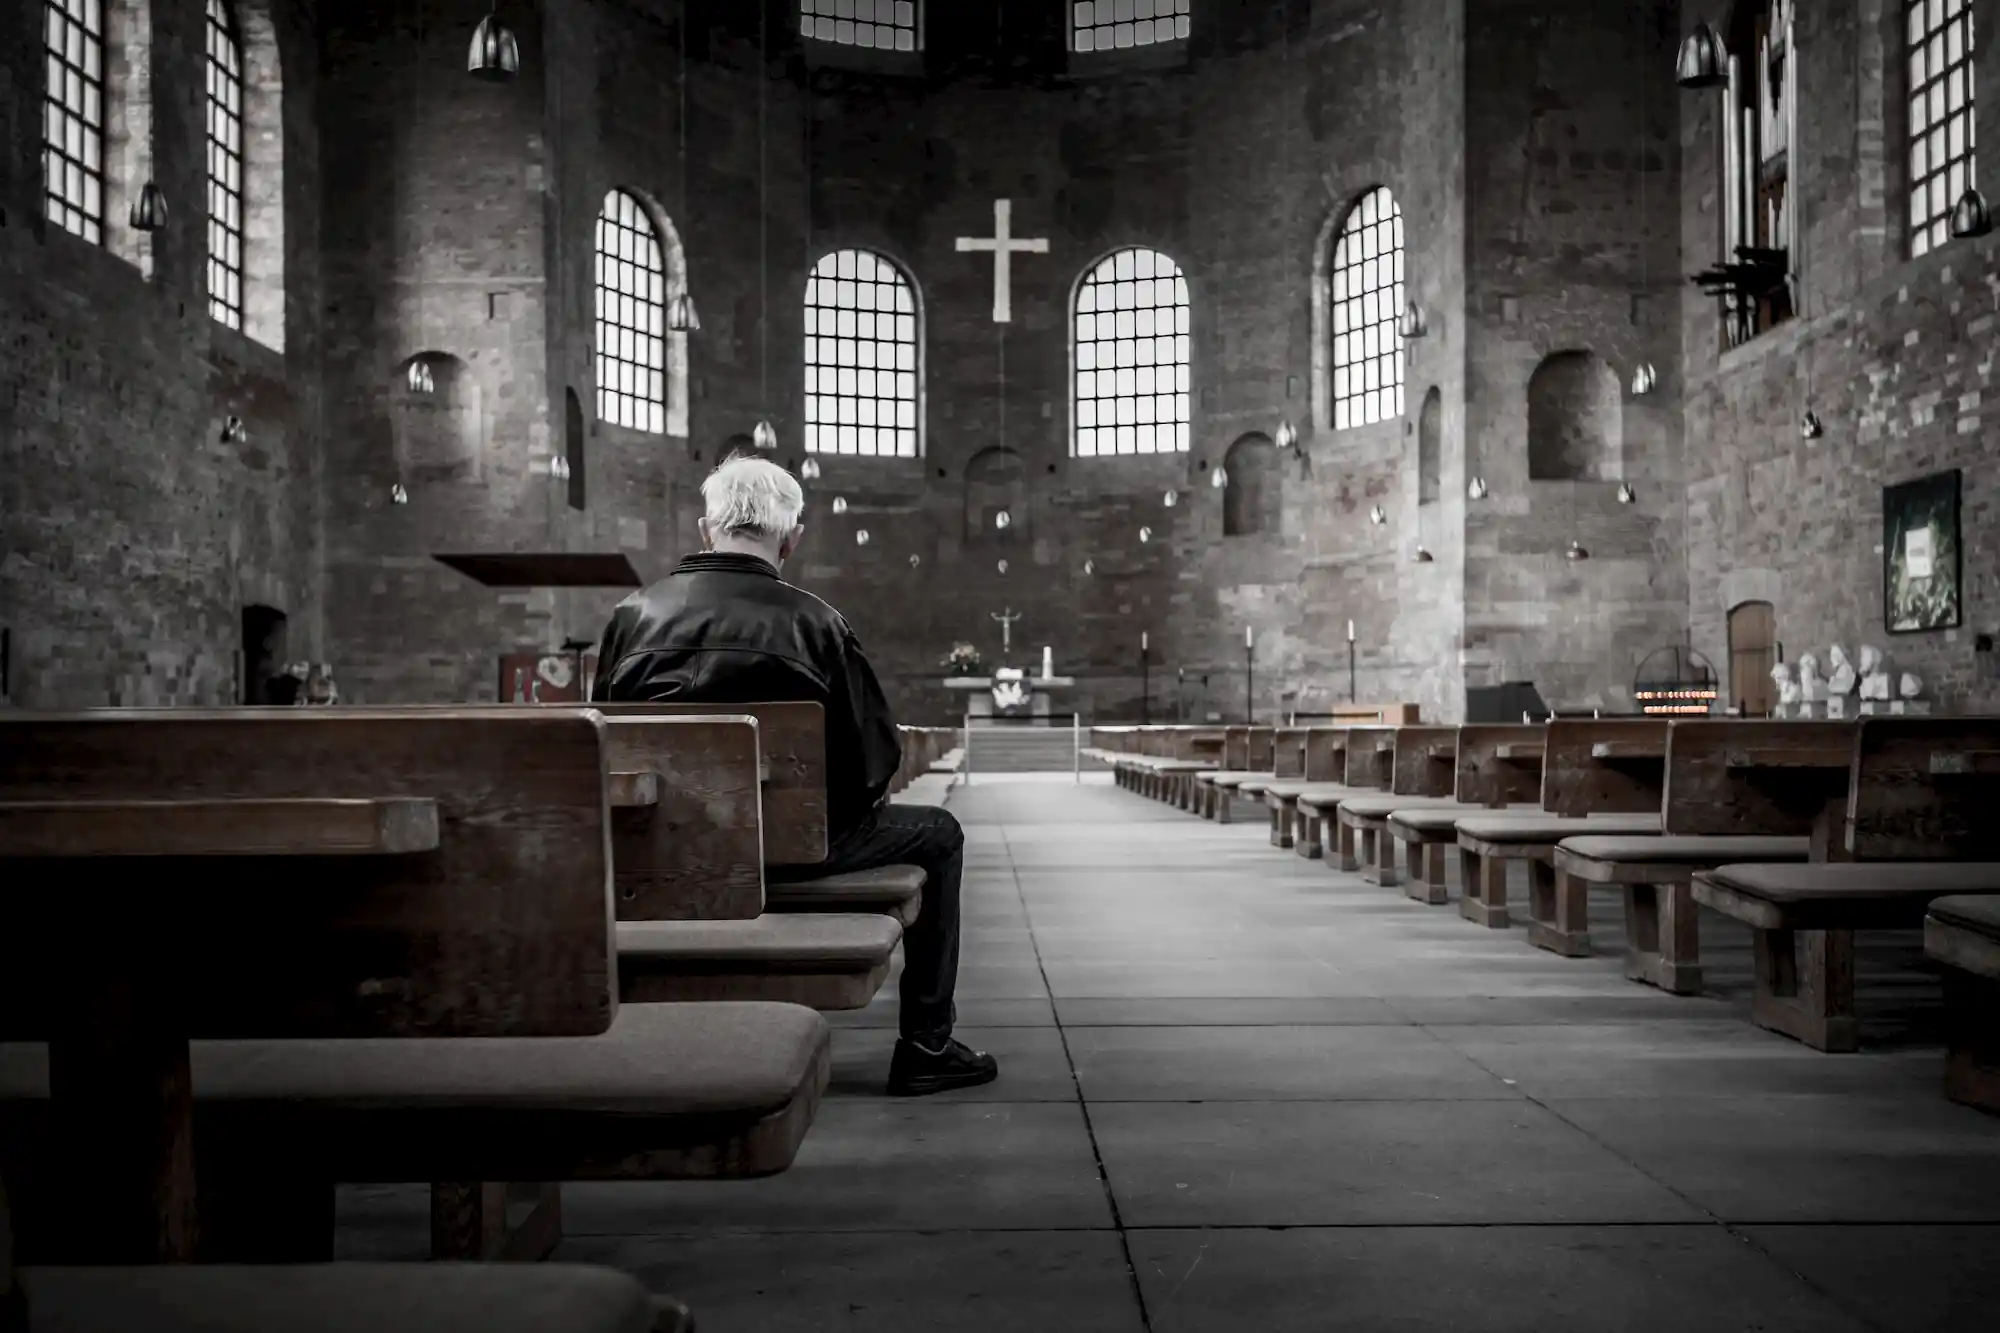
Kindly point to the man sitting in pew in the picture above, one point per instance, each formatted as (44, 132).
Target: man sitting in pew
(725, 628)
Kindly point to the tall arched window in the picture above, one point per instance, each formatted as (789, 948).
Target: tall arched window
(1938, 44)
(225, 167)
(631, 317)
(73, 116)
(1133, 363)
(1367, 305)
(863, 358)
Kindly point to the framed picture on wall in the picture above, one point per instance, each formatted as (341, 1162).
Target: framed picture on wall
(1921, 589)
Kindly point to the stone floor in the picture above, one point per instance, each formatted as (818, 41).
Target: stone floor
(1243, 1092)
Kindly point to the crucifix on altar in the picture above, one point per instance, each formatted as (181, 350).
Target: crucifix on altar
(1006, 620)
(1010, 691)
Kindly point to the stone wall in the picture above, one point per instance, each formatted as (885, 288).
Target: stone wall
(134, 533)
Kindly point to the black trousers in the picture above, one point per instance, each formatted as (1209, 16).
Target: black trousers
(929, 837)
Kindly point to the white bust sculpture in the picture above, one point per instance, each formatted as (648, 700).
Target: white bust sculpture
(1911, 686)
(1874, 680)
(1811, 688)
(1788, 689)
(1840, 681)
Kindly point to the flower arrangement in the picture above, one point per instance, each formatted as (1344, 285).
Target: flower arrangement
(964, 660)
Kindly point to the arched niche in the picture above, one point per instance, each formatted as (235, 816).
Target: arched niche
(1252, 498)
(1576, 428)
(1430, 447)
(996, 480)
(573, 446)
(439, 436)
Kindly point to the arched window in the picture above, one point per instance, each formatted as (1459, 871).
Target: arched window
(225, 167)
(863, 358)
(1113, 25)
(73, 116)
(631, 317)
(1133, 362)
(883, 25)
(1367, 306)
(1939, 47)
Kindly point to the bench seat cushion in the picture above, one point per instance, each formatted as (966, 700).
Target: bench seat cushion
(1234, 778)
(1325, 795)
(337, 1298)
(797, 940)
(1255, 785)
(1503, 827)
(1380, 805)
(1980, 915)
(1678, 849)
(895, 891)
(671, 1092)
(1844, 895)
(1287, 789)
(1443, 819)
(1963, 931)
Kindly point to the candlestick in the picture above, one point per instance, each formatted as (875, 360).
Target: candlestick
(1350, 631)
(1048, 662)
(1145, 641)
(1249, 637)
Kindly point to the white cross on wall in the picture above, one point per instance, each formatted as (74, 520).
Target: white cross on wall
(1003, 247)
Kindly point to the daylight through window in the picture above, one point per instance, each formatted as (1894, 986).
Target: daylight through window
(73, 116)
(225, 168)
(631, 317)
(1941, 121)
(1133, 362)
(1113, 25)
(1367, 301)
(883, 25)
(862, 358)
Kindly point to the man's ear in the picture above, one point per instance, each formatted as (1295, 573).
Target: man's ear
(707, 534)
(791, 542)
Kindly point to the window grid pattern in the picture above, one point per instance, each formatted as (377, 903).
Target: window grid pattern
(1367, 301)
(1133, 357)
(73, 116)
(225, 168)
(861, 358)
(881, 25)
(631, 317)
(1115, 25)
(1941, 119)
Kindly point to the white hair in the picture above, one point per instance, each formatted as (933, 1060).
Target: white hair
(750, 497)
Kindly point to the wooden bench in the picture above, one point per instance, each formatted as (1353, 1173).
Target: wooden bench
(1963, 936)
(1247, 756)
(1368, 764)
(1288, 768)
(1325, 773)
(1918, 823)
(301, 1010)
(1482, 782)
(1422, 770)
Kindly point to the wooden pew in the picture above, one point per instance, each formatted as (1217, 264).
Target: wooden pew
(1288, 766)
(1917, 824)
(1370, 754)
(1325, 775)
(1422, 771)
(1622, 767)
(1482, 781)
(354, 1011)
(1247, 757)
(1489, 843)
(1962, 935)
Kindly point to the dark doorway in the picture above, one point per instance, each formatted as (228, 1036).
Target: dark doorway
(1753, 651)
(263, 653)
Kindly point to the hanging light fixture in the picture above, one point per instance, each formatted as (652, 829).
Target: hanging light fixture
(1644, 380)
(1003, 520)
(765, 436)
(421, 378)
(1003, 566)
(1414, 324)
(1422, 555)
(1170, 499)
(1477, 489)
(1378, 516)
(1219, 478)
(1145, 534)
(397, 495)
(149, 209)
(558, 468)
(1576, 551)
(915, 560)
(233, 431)
(839, 504)
(1704, 60)
(861, 537)
(1626, 495)
(1970, 217)
(1810, 427)
(682, 316)
(809, 470)
(1089, 568)
(494, 55)
(1287, 436)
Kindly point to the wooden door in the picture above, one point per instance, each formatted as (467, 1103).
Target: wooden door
(1753, 651)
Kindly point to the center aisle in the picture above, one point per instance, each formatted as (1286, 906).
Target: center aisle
(1241, 1092)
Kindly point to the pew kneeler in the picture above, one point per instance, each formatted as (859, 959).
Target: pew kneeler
(1662, 927)
(1963, 935)
(1803, 918)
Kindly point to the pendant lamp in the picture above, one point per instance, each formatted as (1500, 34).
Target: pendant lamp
(421, 379)
(1644, 380)
(682, 317)
(1576, 551)
(495, 55)
(149, 210)
(1219, 478)
(1704, 60)
(1970, 217)
(1414, 324)
(809, 470)
(839, 504)
(1810, 427)
(1287, 436)
(765, 436)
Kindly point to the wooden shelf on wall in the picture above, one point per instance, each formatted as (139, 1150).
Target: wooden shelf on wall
(554, 569)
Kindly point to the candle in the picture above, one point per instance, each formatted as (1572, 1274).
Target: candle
(1350, 631)
(1048, 662)
(1249, 637)
(1145, 641)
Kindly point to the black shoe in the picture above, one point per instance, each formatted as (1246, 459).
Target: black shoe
(917, 1071)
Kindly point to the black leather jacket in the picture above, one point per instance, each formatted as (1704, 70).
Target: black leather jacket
(726, 629)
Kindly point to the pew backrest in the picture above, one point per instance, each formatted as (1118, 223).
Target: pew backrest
(1925, 789)
(502, 928)
(1259, 745)
(1326, 754)
(695, 850)
(1288, 753)
(1426, 761)
(1604, 766)
(1499, 764)
(1731, 777)
(1371, 757)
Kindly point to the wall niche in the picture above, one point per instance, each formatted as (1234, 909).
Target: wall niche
(1576, 428)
